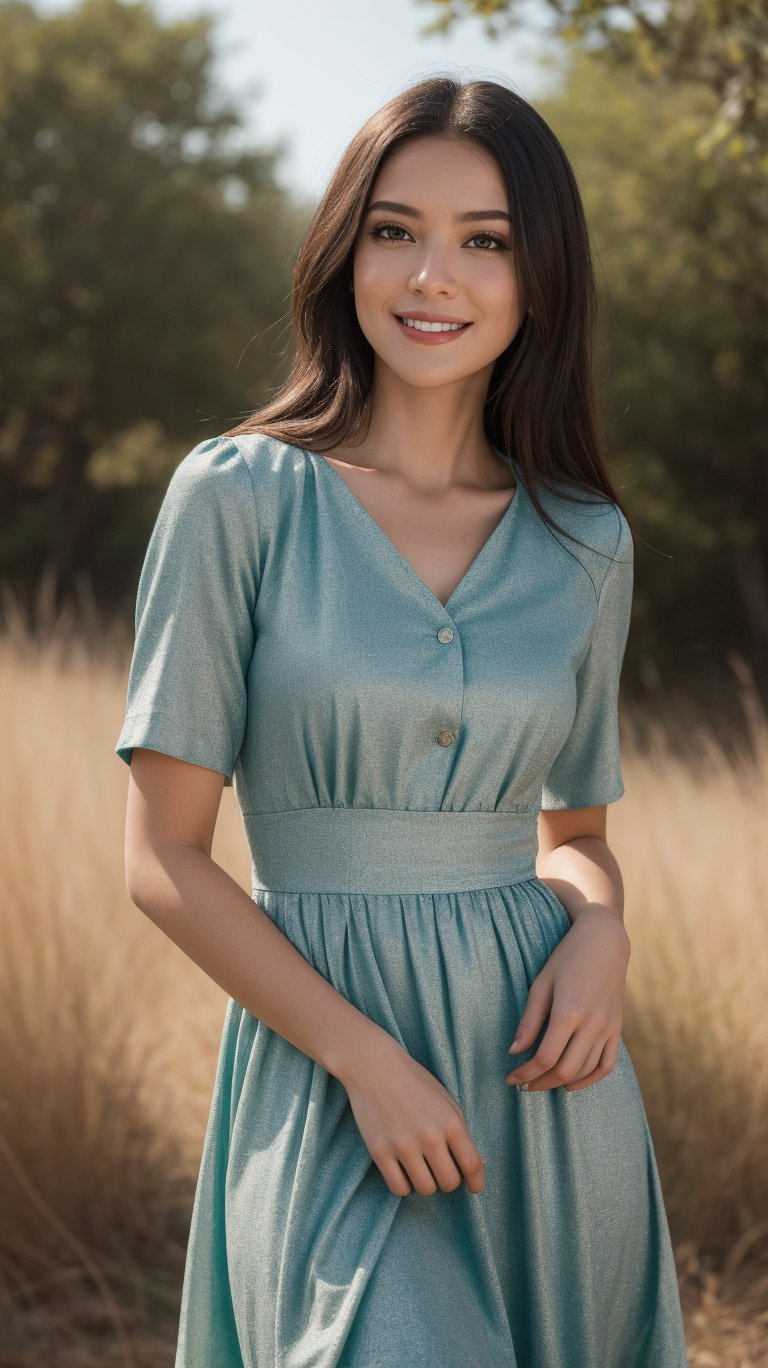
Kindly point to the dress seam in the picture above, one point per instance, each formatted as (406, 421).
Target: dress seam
(401, 892)
(255, 504)
(431, 812)
(602, 590)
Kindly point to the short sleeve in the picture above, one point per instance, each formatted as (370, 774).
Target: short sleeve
(587, 770)
(195, 610)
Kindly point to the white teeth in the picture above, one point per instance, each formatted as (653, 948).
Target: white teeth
(431, 327)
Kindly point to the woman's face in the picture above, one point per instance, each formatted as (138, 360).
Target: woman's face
(416, 258)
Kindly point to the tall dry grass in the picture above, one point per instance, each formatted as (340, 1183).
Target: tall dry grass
(109, 1035)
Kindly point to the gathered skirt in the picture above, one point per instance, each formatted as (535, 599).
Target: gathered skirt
(300, 1256)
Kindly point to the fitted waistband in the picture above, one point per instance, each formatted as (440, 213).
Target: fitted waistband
(389, 850)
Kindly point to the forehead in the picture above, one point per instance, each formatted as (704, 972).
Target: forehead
(441, 171)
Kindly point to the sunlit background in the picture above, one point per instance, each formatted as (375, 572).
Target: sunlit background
(309, 75)
(157, 170)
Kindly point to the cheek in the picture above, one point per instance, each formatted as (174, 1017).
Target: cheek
(374, 271)
(499, 285)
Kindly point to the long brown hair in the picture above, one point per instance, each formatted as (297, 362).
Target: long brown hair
(541, 405)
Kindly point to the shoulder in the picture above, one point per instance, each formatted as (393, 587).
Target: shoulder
(269, 460)
(604, 537)
(243, 475)
(271, 466)
(211, 472)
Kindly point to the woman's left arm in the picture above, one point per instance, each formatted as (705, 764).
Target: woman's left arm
(582, 984)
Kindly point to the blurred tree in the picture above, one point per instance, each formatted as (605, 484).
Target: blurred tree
(144, 261)
(664, 108)
(144, 270)
(720, 44)
(681, 360)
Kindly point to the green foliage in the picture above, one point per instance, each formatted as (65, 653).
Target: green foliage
(721, 45)
(683, 278)
(664, 111)
(144, 269)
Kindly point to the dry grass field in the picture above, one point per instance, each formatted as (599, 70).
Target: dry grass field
(109, 1035)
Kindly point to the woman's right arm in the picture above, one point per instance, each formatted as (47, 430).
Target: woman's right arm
(404, 1113)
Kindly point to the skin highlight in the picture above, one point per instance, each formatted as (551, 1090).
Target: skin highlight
(425, 471)
(429, 401)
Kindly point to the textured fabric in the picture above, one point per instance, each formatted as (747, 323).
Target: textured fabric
(283, 640)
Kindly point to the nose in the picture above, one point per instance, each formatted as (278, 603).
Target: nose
(432, 274)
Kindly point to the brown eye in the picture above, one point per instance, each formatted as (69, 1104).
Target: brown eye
(498, 243)
(490, 237)
(384, 227)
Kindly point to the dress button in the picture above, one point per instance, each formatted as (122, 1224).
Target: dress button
(445, 634)
(445, 738)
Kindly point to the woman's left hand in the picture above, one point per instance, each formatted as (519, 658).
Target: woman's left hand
(582, 986)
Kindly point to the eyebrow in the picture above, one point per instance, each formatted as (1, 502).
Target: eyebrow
(471, 216)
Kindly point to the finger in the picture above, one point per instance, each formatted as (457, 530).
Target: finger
(442, 1164)
(605, 1065)
(470, 1161)
(419, 1172)
(462, 1149)
(551, 1047)
(590, 1063)
(534, 1016)
(579, 1058)
(571, 1062)
(394, 1176)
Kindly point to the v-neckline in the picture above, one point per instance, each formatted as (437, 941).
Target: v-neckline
(482, 554)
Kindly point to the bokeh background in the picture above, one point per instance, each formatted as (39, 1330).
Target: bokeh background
(158, 166)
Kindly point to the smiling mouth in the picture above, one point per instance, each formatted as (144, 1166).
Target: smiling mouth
(421, 326)
(430, 335)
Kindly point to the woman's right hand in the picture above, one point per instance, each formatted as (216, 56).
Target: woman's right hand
(407, 1118)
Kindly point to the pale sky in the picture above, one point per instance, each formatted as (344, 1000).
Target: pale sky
(308, 73)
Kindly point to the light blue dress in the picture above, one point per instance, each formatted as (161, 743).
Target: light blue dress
(389, 757)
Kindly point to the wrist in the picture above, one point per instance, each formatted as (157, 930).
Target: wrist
(367, 1048)
(602, 915)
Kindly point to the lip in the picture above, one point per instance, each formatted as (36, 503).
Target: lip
(430, 339)
(420, 317)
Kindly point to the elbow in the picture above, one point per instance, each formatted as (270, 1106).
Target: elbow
(142, 870)
(134, 886)
(140, 881)
(154, 877)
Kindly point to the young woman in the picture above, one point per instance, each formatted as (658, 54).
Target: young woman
(392, 606)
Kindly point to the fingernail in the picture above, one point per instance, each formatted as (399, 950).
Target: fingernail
(514, 1045)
